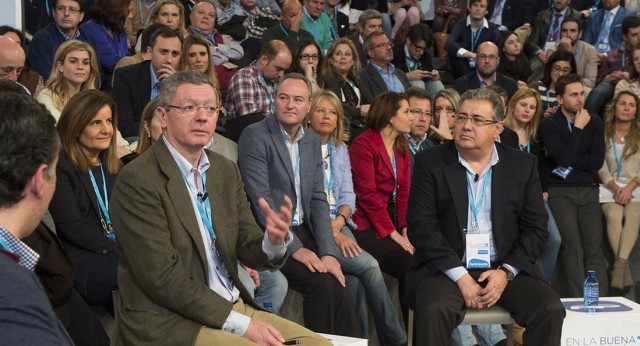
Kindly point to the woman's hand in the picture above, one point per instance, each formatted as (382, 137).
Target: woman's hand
(624, 195)
(348, 246)
(443, 128)
(403, 241)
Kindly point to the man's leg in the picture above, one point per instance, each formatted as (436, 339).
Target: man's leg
(246, 280)
(549, 256)
(439, 309)
(598, 97)
(592, 235)
(272, 290)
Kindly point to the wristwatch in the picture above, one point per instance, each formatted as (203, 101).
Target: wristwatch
(509, 273)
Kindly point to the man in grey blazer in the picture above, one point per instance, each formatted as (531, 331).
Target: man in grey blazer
(278, 158)
(379, 74)
(183, 221)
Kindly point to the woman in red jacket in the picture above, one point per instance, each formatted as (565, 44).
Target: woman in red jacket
(380, 166)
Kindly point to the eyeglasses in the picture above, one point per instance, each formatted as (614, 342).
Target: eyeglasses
(383, 45)
(448, 110)
(559, 69)
(418, 48)
(309, 56)
(63, 9)
(419, 113)
(477, 120)
(487, 57)
(189, 111)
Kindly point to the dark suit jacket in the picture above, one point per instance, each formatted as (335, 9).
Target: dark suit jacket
(594, 25)
(540, 30)
(371, 84)
(509, 138)
(514, 12)
(438, 213)
(400, 59)
(471, 81)
(267, 172)
(343, 25)
(355, 38)
(162, 275)
(76, 213)
(132, 92)
(460, 37)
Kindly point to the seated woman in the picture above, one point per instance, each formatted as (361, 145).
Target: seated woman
(326, 120)
(513, 62)
(620, 175)
(307, 60)
(341, 72)
(523, 117)
(165, 12)
(86, 171)
(447, 11)
(381, 168)
(196, 55)
(404, 10)
(445, 108)
(631, 84)
(559, 64)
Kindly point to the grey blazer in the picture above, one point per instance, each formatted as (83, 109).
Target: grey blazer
(266, 170)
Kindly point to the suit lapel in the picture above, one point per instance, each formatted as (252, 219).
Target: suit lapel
(281, 147)
(456, 179)
(376, 77)
(499, 193)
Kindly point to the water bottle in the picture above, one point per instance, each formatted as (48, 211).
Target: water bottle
(268, 306)
(591, 291)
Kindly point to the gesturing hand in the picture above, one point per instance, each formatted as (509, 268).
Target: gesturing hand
(277, 224)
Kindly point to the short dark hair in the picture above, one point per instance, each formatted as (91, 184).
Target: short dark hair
(367, 15)
(164, 32)
(471, 2)
(420, 32)
(418, 93)
(145, 37)
(7, 86)
(565, 80)
(630, 23)
(110, 13)
(81, 3)
(6, 28)
(271, 49)
(559, 55)
(572, 20)
(28, 139)
(368, 41)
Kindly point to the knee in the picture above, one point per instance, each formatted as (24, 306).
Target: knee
(399, 15)
(414, 14)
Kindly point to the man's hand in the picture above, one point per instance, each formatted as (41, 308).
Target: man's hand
(470, 291)
(165, 71)
(277, 224)
(415, 75)
(565, 43)
(600, 58)
(296, 23)
(526, 27)
(582, 118)
(364, 110)
(348, 246)
(542, 56)
(615, 76)
(333, 267)
(263, 333)
(309, 259)
(549, 112)
(255, 276)
(433, 75)
(496, 282)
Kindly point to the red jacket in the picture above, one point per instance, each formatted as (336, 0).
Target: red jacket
(373, 183)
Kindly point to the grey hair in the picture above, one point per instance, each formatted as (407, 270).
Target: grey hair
(485, 95)
(169, 85)
(368, 15)
(295, 75)
(368, 41)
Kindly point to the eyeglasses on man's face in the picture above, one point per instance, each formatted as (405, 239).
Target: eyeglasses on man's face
(63, 9)
(383, 45)
(417, 113)
(189, 110)
(476, 120)
(487, 57)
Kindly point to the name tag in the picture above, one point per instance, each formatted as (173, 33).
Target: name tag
(472, 63)
(333, 209)
(478, 251)
(548, 45)
(296, 218)
(562, 172)
(603, 45)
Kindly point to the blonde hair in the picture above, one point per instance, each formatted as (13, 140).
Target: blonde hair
(339, 135)
(155, 11)
(192, 40)
(633, 138)
(148, 113)
(530, 128)
(58, 85)
(328, 70)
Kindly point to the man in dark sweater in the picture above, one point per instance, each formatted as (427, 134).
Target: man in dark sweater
(574, 141)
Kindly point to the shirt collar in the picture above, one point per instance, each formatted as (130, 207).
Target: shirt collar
(494, 160)
(413, 142)
(299, 135)
(485, 23)
(66, 37)
(406, 54)
(28, 257)
(493, 78)
(389, 68)
(154, 78)
(563, 12)
(183, 164)
(614, 11)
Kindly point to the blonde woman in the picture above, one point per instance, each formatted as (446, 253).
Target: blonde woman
(445, 107)
(196, 55)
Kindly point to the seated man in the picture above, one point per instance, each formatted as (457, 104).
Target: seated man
(12, 59)
(369, 21)
(253, 88)
(27, 183)
(180, 235)
(502, 210)
(487, 60)
(260, 18)
(604, 27)
(380, 74)
(269, 157)
(289, 30)
(317, 22)
(135, 85)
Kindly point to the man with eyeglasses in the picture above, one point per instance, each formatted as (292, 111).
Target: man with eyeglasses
(135, 85)
(466, 37)
(487, 60)
(478, 222)
(369, 21)
(413, 57)
(67, 15)
(184, 221)
(420, 109)
(380, 74)
(253, 89)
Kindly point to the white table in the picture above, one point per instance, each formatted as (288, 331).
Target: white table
(338, 340)
(615, 322)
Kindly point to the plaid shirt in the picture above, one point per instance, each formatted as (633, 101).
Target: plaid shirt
(28, 257)
(223, 15)
(251, 24)
(248, 94)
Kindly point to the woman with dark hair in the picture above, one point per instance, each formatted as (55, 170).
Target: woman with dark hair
(307, 60)
(620, 176)
(107, 28)
(381, 169)
(86, 172)
(341, 71)
(513, 62)
(559, 64)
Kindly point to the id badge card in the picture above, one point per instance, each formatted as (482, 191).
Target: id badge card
(548, 45)
(295, 220)
(562, 172)
(472, 63)
(603, 46)
(478, 251)
(333, 209)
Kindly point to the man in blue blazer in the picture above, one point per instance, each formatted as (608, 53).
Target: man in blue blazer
(595, 25)
(278, 158)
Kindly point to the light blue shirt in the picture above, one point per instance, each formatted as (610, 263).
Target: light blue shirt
(294, 155)
(155, 84)
(389, 77)
(216, 270)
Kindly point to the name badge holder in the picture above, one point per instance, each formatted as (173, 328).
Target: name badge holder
(562, 172)
(603, 45)
(477, 245)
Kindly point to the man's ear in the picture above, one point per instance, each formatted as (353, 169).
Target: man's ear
(36, 185)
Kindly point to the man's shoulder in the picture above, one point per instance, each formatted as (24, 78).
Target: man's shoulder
(17, 281)
(254, 131)
(45, 36)
(134, 70)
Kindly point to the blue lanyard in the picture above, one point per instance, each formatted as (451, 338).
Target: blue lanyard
(569, 126)
(548, 102)
(622, 65)
(472, 202)
(328, 183)
(395, 174)
(205, 212)
(528, 146)
(390, 81)
(475, 38)
(577, 55)
(4, 245)
(412, 66)
(264, 83)
(140, 11)
(104, 203)
(412, 148)
(615, 155)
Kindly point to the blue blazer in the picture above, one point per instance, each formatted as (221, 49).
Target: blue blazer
(594, 25)
(342, 181)
(266, 171)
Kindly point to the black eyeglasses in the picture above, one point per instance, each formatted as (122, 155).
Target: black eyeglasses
(63, 9)
(309, 56)
(189, 111)
(477, 120)
(419, 112)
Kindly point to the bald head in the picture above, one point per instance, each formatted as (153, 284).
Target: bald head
(11, 59)
(275, 59)
(290, 10)
(487, 59)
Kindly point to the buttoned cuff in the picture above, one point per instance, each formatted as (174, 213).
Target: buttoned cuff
(276, 252)
(236, 323)
(513, 269)
(455, 273)
(461, 52)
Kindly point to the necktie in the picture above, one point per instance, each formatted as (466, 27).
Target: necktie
(606, 25)
(555, 30)
(497, 10)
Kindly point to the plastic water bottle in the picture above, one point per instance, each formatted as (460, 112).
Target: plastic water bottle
(268, 306)
(591, 291)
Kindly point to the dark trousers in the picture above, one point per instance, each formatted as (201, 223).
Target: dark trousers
(531, 301)
(84, 328)
(327, 306)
